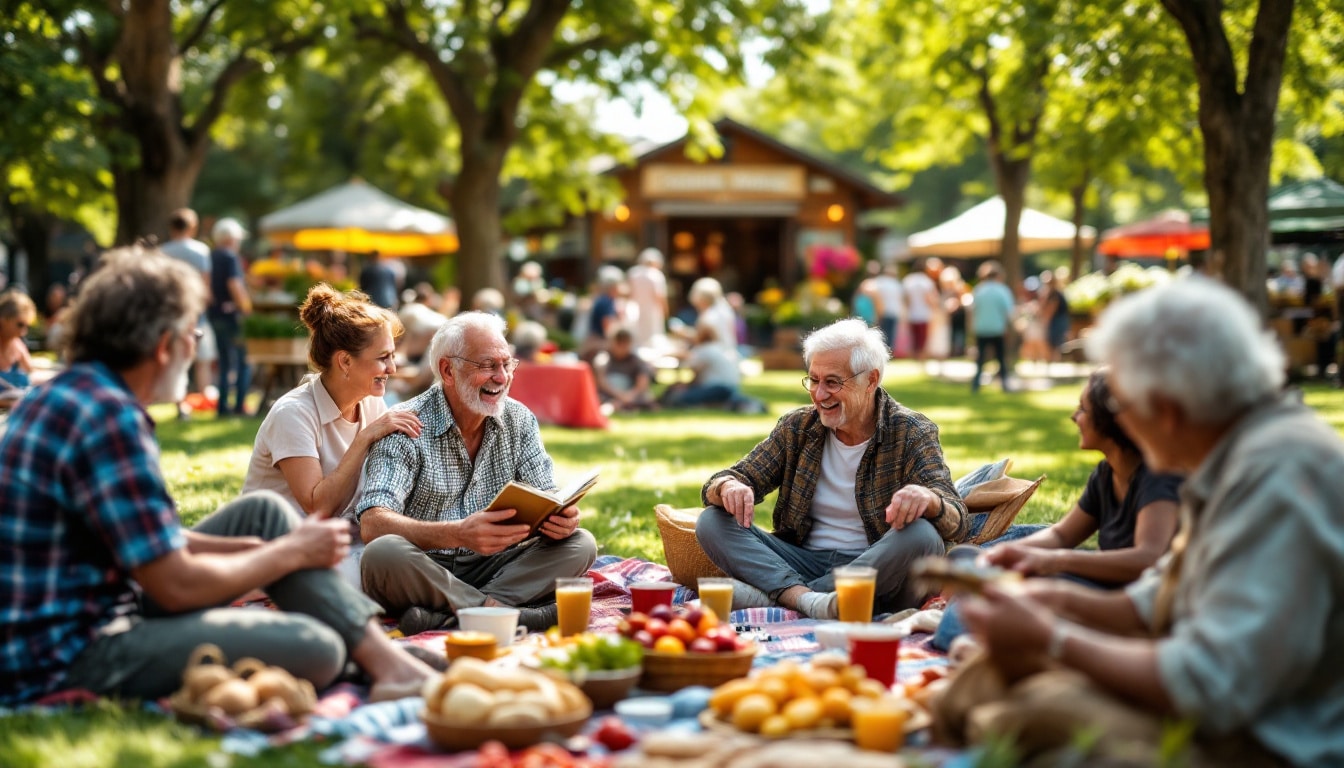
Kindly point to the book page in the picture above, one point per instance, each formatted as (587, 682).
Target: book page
(572, 492)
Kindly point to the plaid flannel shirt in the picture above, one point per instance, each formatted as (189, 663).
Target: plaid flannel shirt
(903, 451)
(84, 504)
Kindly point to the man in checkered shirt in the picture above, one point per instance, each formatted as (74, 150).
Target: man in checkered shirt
(101, 586)
(432, 547)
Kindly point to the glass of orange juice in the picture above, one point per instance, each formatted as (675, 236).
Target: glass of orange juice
(574, 603)
(716, 594)
(879, 724)
(854, 589)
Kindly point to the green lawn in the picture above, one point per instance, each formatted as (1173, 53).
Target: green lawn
(644, 460)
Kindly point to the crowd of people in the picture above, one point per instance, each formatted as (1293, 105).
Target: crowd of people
(352, 510)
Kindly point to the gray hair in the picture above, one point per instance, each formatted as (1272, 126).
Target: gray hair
(706, 288)
(607, 276)
(651, 256)
(868, 350)
(451, 339)
(1193, 341)
(126, 305)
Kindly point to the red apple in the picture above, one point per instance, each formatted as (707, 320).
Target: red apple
(661, 612)
(624, 629)
(656, 627)
(692, 615)
(703, 645)
(725, 639)
(644, 638)
(636, 620)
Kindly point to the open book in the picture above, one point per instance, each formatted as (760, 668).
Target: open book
(534, 505)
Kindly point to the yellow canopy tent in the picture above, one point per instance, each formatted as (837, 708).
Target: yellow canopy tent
(359, 218)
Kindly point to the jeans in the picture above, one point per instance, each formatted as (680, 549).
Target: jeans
(772, 565)
(233, 367)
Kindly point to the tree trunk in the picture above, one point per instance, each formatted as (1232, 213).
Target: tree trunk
(1078, 193)
(1237, 123)
(169, 158)
(32, 233)
(1011, 179)
(475, 203)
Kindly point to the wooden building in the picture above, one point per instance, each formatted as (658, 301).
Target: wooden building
(746, 218)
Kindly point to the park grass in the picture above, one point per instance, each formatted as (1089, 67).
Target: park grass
(644, 460)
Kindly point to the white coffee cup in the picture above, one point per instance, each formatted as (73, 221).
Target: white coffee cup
(497, 620)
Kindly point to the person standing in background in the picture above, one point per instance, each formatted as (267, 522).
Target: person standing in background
(991, 313)
(229, 303)
(379, 282)
(890, 301)
(954, 297)
(648, 294)
(183, 246)
(921, 296)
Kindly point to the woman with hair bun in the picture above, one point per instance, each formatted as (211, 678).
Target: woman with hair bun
(311, 446)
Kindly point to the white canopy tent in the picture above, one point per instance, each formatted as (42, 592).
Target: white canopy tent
(361, 218)
(978, 233)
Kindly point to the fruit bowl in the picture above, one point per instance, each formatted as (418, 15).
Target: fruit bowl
(605, 687)
(455, 737)
(667, 672)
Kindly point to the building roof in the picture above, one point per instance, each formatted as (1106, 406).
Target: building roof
(875, 196)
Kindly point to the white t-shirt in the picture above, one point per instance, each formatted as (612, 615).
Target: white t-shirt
(836, 523)
(922, 293)
(889, 290)
(648, 292)
(306, 422)
(713, 365)
(1337, 273)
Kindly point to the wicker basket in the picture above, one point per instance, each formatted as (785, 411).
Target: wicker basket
(667, 672)
(685, 559)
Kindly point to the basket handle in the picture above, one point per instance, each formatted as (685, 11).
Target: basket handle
(248, 667)
(206, 653)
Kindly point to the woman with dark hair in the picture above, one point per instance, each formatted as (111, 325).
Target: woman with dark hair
(1132, 510)
(311, 446)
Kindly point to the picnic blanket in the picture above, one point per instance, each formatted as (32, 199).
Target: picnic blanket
(390, 733)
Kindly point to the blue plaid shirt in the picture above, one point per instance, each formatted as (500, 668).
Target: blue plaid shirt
(82, 503)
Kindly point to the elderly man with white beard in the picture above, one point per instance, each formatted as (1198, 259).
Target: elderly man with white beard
(433, 547)
(101, 586)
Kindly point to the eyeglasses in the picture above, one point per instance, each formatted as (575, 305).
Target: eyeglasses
(495, 367)
(828, 384)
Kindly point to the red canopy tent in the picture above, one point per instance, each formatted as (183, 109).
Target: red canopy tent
(1167, 231)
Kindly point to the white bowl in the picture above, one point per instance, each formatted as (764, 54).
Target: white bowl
(834, 635)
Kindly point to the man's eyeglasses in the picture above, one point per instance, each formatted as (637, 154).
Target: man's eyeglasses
(495, 367)
(828, 384)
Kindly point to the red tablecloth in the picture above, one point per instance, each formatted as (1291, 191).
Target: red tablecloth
(559, 393)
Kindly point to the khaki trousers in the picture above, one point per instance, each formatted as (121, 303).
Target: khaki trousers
(399, 575)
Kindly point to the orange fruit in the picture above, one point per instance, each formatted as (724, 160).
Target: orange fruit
(752, 710)
(707, 622)
(682, 630)
(670, 644)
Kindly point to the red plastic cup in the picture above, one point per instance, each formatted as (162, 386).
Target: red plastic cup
(876, 648)
(644, 595)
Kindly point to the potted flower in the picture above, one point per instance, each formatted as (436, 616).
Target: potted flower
(273, 336)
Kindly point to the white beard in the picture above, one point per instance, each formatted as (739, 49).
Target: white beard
(172, 385)
(471, 397)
